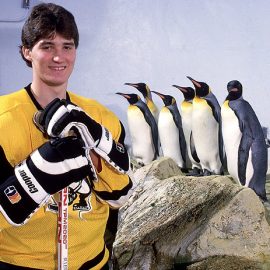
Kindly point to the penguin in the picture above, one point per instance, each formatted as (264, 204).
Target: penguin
(143, 130)
(244, 141)
(186, 113)
(170, 131)
(145, 91)
(206, 129)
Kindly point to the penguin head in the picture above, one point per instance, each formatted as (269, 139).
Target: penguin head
(188, 92)
(131, 98)
(167, 99)
(141, 87)
(202, 89)
(235, 90)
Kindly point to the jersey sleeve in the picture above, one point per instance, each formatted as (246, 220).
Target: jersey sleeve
(112, 186)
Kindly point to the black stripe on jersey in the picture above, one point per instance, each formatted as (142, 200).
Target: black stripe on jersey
(7, 266)
(123, 134)
(116, 194)
(6, 170)
(92, 263)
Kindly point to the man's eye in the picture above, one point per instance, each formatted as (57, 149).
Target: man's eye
(68, 47)
(46, 47)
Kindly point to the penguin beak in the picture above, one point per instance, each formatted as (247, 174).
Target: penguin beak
(132, 84)
(182, 89)
(159, 94)
(123, 95)
(195, 83)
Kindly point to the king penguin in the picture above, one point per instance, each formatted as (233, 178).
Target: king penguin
(186, 113)
(170, 131)
(145, 91)
(143, 130)
(244, 141)
(206, 129)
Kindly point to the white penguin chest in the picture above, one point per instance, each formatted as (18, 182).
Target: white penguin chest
(186, 119)
(168, 131)
(231, 137)
(139, 128)
(204, 125)
(169, 136)
(141, 135)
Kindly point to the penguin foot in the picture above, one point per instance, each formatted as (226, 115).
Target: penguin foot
(206, 172)
(184, 170)
(195, 172)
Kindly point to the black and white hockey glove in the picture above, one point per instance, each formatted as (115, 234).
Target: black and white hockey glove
(52, 167)
(60, 116)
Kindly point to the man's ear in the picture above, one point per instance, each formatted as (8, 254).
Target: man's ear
(27, 54)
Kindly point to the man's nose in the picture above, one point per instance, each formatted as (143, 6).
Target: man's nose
(57, 55)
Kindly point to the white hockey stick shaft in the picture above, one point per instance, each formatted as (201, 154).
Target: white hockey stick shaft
(63, 230)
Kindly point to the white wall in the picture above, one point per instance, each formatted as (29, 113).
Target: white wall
(158, 42)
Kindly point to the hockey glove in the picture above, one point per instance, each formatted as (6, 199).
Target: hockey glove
(50, 168)
(59, 117)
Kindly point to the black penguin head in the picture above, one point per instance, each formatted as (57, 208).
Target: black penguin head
(141, 87)
(202, 89)
(235, 90)
(131, 98)
(188, 92)
(167, 99)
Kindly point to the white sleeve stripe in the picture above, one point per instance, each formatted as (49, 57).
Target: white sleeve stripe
(57, 115)
(29, 183)
(118, 203)
(60, 167)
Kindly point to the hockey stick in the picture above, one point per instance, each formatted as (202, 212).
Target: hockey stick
(62, 224)
(62, 219)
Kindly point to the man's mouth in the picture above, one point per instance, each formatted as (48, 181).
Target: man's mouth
(58, 68)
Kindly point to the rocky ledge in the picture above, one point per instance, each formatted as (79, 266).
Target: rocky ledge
(172, 221)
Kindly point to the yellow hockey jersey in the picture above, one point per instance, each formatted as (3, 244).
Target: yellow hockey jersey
(35, 243)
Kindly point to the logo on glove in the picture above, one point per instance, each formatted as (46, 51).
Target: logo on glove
(120, 148)
(12, 194)
(28, 181)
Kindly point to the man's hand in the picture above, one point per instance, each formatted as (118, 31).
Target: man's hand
(60, 116)
(50, 168)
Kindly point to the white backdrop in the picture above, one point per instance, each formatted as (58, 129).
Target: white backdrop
(157, 42)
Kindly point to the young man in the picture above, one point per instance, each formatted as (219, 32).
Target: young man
(75, 142)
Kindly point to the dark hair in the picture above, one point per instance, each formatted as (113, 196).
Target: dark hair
(45, 21)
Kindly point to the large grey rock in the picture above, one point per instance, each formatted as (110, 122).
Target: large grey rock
(172, 220)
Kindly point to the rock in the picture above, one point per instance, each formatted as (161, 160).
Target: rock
(227, 263)
(172, 220)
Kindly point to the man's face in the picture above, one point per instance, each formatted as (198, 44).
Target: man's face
(52, 60)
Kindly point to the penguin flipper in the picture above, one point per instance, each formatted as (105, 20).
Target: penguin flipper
(216, 110)
(243, 154)
(152, 123)
(183, 146)
(213, 103)
(193, 149)
(178, 122)
(222, 154)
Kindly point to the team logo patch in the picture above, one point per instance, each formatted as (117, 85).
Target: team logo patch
(12, 194)
(120, 148)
